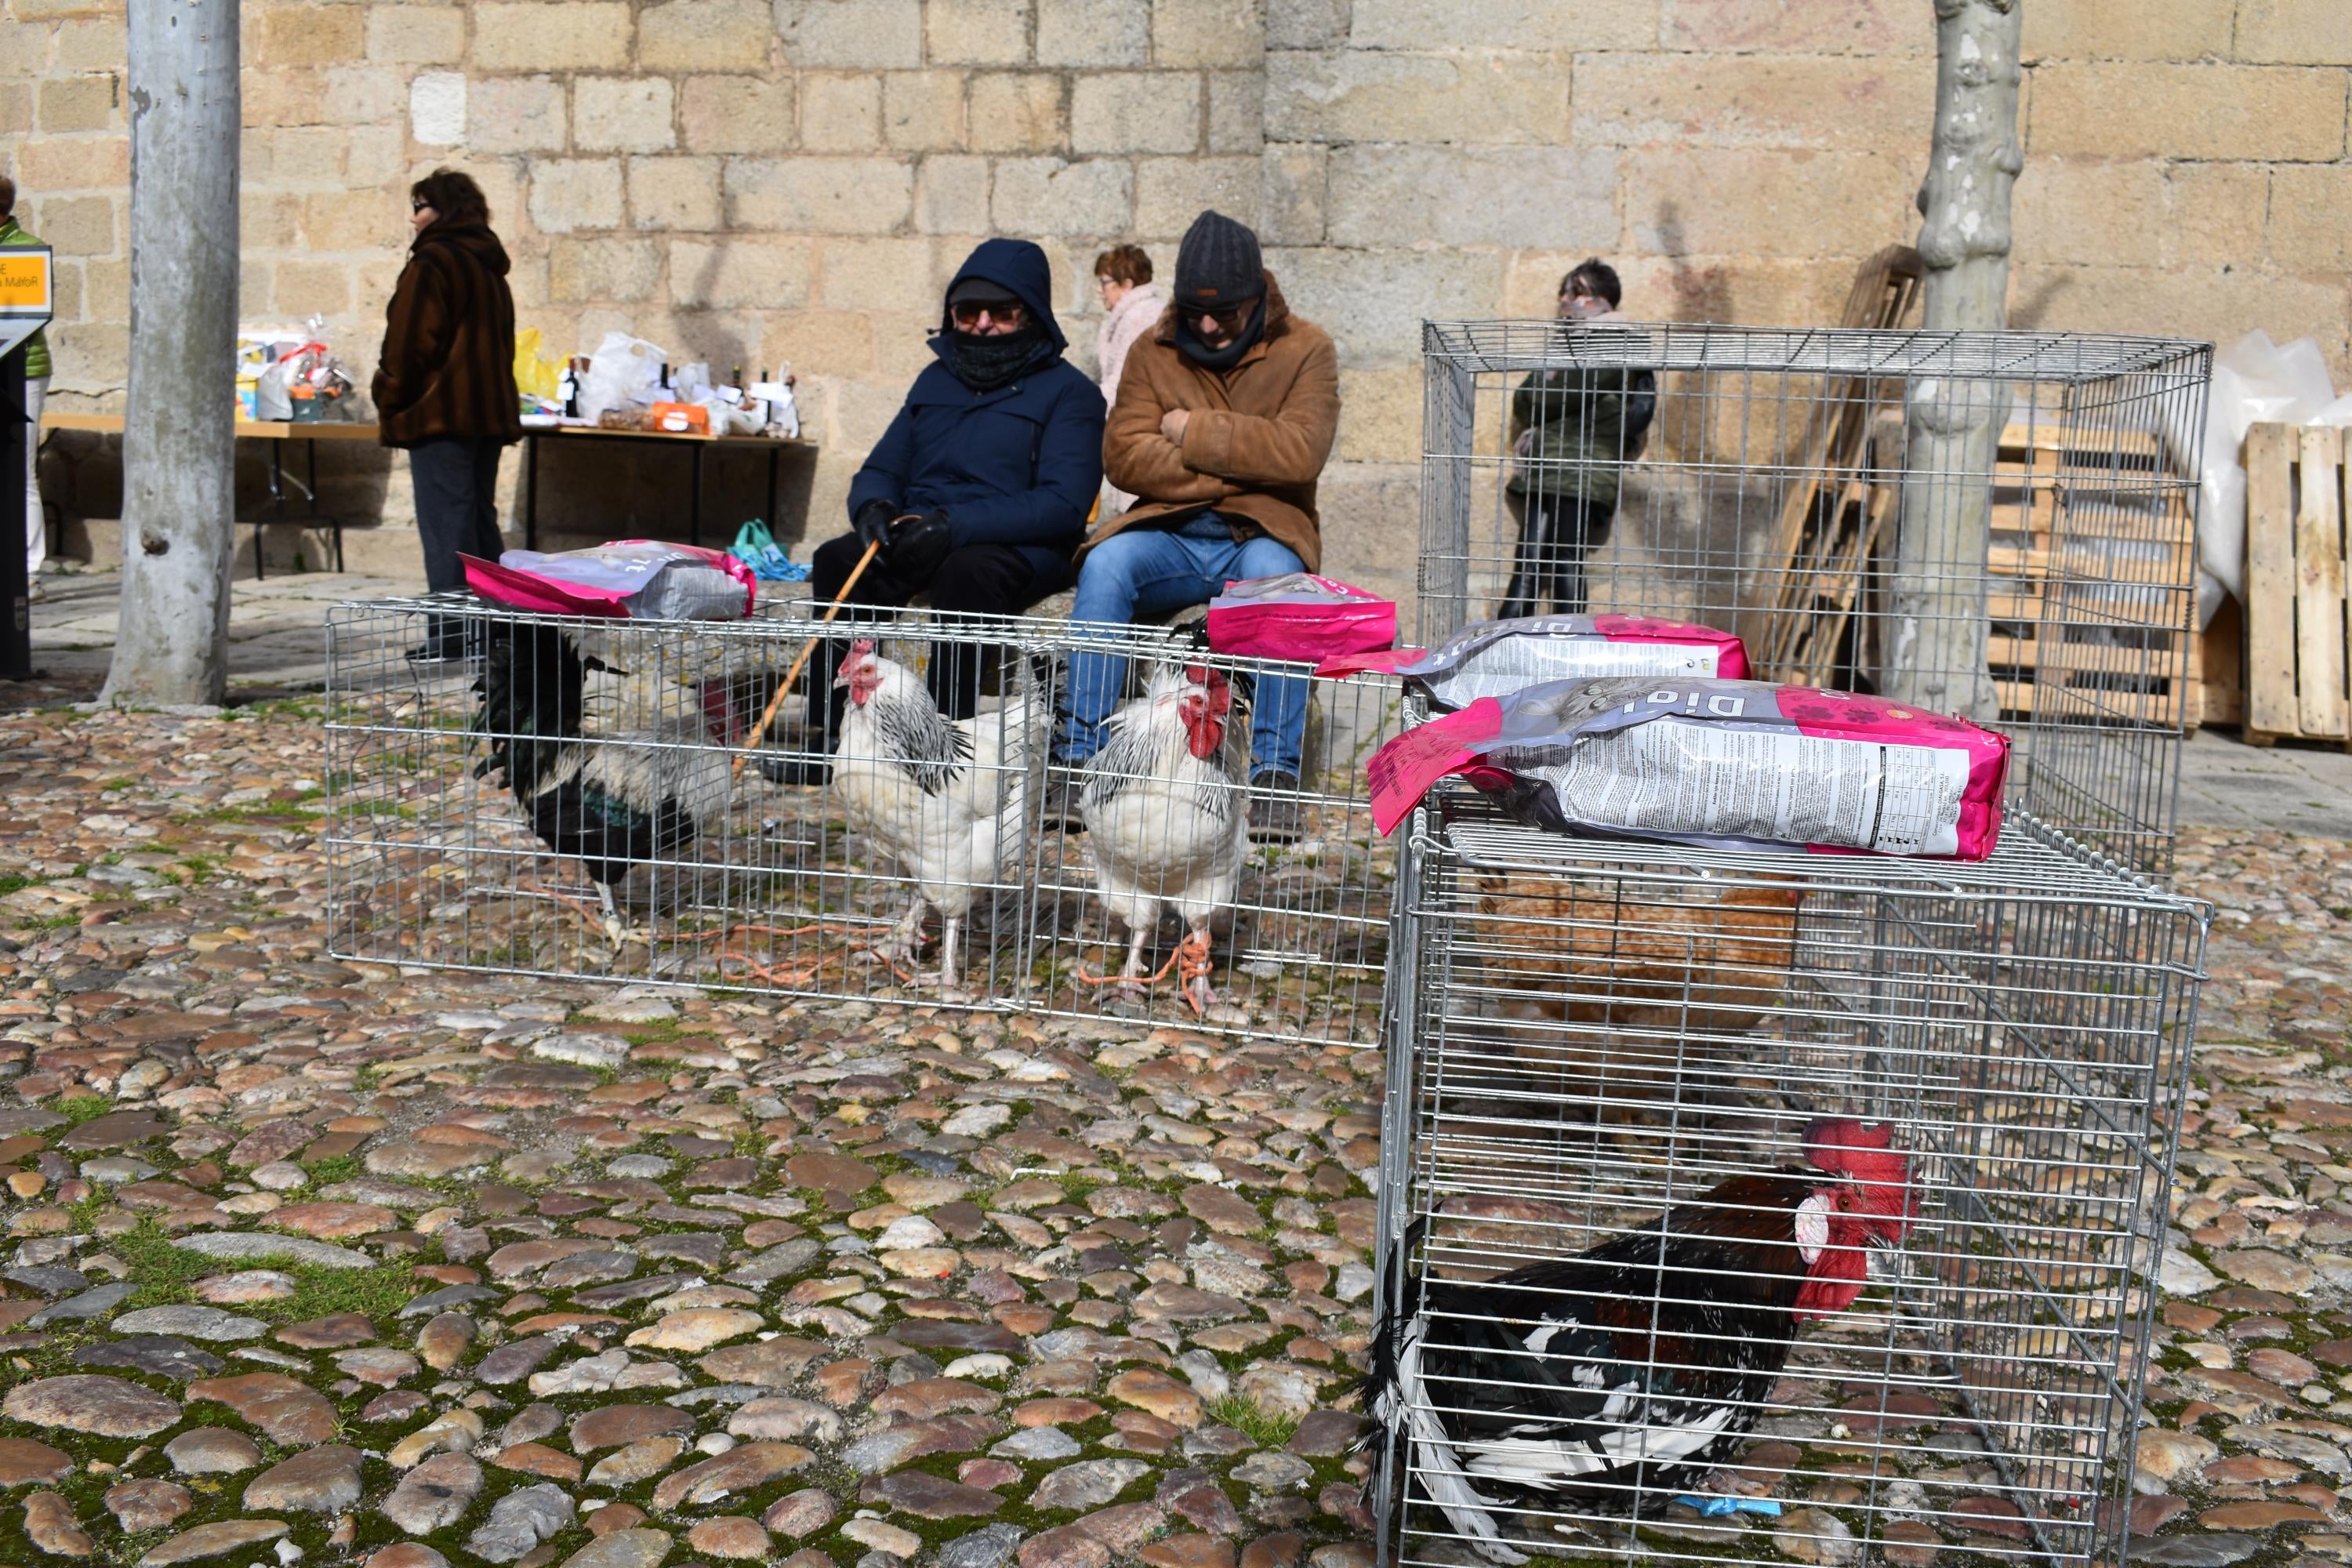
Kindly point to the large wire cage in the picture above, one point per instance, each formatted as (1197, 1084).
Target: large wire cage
(1814, 492)
(580, 798)
(1590, 1034)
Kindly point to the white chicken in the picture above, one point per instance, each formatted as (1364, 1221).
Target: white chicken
(948, 800)
(1166, 804)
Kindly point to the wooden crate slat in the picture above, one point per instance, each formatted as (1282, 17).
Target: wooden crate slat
(2319, 586)
(2271, 707)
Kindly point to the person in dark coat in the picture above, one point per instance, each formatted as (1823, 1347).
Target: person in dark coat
(445, 386)
(978, 492)
(1577, 429)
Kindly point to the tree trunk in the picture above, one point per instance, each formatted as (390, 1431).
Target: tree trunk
(179, 440)
(1954, 426)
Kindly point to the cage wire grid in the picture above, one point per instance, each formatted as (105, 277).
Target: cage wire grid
(1589, 1033)
(735, 881)
(1771, 496)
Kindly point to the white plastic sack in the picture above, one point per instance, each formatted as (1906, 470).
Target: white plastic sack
(2255, 381)
(623, 371)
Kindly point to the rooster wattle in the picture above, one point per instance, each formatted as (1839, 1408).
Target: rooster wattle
(1630, 1368)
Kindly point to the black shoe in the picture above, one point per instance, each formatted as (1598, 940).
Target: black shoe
(1060, 809)
(1276, 814)
(796, 772)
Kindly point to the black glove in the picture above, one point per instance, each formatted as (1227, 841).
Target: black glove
(872, 523)
(917, 546)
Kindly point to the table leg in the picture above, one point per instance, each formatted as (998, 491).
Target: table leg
(277, 509)
(530, 490)
(775, 452)
(694, 507)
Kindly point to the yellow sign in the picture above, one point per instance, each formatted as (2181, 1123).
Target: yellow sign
(25, 282)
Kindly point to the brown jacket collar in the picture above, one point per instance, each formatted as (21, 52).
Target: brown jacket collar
(1277, 320)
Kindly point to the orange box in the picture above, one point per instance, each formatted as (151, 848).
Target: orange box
(675, 417)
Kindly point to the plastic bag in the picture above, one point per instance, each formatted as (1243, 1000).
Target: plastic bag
(1731, 764)
(1495, 658)
(624, 371)
(636, 579)
(757, 548)
(2255, 381)
(269, 398)
(536, 376)
(1298, 615)
(783, 413)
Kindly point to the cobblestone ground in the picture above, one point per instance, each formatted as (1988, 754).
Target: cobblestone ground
(308, 1260)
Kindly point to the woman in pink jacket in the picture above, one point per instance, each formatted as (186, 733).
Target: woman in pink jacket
(1131, 307)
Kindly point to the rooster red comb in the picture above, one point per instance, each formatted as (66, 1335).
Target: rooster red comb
(1214, 683)
(1867, 1157)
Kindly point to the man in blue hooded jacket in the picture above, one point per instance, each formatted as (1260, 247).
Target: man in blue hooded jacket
(978, 492)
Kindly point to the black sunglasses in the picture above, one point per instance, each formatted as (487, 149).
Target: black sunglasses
(420, 206)
(1228, 320)
(969, 312)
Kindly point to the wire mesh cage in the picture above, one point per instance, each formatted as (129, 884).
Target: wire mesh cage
(1814, 492)
(1745, 1206)
(573, 797)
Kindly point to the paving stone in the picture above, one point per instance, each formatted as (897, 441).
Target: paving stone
(219, 1539)
(434, 1495)
(623, 1549)
(212, 1451)
(1092, 1483)
(928, 1496)
(320, 1481)
(612, 1425)
(23, 1460)
(208, 1323)
(288, 1412)
(51, 1527)
(142, 1506)
(519, 1521)
(249, 1247)
(107, 1407)
(740, 1470)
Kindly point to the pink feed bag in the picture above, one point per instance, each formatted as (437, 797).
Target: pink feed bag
(1299, 617)
(1732, 764)
(1495, 658)
(632, 579)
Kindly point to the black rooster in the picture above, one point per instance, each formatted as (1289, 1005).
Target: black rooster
(1633, 1367)
(639, 792)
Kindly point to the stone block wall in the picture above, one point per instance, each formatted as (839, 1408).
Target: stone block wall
(758, 182)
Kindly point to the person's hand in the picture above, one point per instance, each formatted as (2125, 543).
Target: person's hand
(1172, 423)
(917, 546)
(872, 523)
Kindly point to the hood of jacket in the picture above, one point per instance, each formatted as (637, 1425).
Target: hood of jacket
(474, 239)
(1020, 268)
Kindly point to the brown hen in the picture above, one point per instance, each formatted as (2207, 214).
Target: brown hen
(1613, 997)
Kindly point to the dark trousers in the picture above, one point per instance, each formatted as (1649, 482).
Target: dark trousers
(977, 579)
(1556, 533)
(456, 485)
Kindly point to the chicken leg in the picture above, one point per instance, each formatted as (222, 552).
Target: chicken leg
(1194, 965)
(904, 945)
(1133, 978)
(949, 978)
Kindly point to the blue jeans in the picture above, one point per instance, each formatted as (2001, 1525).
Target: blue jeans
(1152, 571)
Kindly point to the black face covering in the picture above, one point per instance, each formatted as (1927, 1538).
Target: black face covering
(984, 364)
(1188, 341)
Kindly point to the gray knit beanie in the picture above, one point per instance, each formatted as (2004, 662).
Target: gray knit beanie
(1218, 264)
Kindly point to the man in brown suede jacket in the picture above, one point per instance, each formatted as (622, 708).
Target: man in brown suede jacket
(1226, 415)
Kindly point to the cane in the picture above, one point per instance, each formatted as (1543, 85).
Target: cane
(759, 733)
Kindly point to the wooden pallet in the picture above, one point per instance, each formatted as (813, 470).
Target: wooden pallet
(2296, 657)
(1833, 519)
(2098, 519)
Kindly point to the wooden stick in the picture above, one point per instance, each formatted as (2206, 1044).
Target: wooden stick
(785, 685)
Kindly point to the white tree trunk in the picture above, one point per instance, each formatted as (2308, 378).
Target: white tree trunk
(1940, 627)
(179, 441)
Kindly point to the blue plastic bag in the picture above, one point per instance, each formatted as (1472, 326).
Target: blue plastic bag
(755, 547)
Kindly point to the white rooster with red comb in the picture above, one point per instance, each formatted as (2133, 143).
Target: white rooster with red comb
(1633, 1368)
(947, 799)
(1166, 804)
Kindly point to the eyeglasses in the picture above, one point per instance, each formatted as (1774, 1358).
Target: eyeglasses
(1004, 314)
(1229, 321)
(420, 206)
